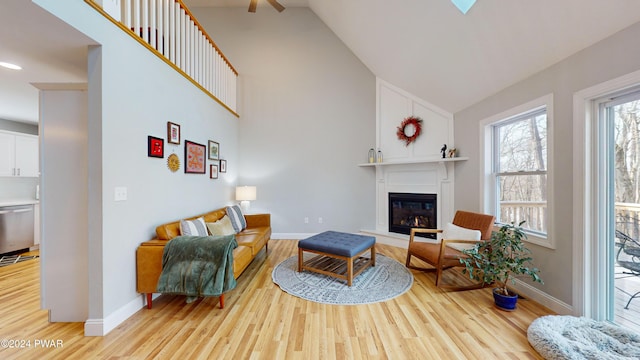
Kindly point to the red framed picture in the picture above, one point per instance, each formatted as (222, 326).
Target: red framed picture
(194, 158)
(155, 147)
(213, 171)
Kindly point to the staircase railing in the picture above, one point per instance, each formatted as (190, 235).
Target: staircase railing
(169, 29)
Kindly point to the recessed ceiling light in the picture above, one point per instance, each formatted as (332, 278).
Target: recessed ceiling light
(10, 66)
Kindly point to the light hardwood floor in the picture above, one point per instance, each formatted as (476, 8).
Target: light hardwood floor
(260, 321)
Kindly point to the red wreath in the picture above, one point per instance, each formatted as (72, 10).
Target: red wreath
(417, 124)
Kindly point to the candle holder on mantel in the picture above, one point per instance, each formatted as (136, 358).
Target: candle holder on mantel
(379, 157)
(372, 156)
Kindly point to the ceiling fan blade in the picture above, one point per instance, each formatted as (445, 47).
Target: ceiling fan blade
(252, 6)
(276, 5)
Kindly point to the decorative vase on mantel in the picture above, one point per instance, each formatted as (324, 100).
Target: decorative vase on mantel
(372, 156)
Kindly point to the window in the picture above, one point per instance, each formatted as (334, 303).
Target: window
(516, 162)
(520, 170)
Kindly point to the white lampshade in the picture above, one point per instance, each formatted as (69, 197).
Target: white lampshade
(244, 193)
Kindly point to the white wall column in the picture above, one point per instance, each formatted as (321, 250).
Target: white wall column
(64, 204)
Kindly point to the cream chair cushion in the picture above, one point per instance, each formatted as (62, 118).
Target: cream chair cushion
(454, 232)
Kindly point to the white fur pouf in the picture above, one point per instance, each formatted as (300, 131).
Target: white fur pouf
(570, 337)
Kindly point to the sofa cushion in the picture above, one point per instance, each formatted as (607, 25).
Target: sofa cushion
(195, 227)
(254, 238)
(242, 256)
(237, 218)
(172, 229)
(221, 227)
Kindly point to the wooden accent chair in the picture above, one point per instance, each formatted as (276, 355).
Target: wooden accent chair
(440, 254)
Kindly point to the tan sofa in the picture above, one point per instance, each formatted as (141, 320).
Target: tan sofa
(250, 241)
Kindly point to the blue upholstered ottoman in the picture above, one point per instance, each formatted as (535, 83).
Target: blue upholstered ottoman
(338, 254)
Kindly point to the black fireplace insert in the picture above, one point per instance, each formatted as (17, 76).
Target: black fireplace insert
(411, 210)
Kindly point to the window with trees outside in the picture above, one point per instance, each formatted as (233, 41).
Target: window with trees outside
(520, 170)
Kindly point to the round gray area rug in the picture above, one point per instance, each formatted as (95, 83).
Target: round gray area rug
(387, 280)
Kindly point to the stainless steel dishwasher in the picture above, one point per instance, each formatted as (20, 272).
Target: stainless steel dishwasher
(16, 228)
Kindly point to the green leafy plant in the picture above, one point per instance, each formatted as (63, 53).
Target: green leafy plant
(500, 259)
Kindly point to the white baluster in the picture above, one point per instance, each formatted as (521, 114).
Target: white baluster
(173, 41)
(126, 13)
(136, 17)
(152, 24)
(165, 28)
(144, 26)
(182, 33)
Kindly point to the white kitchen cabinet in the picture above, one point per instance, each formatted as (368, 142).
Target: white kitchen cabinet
(7, 154)
(18, 154)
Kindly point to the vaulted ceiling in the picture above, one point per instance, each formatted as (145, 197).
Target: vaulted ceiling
(49, 51)
(426, 47)
(431, 49)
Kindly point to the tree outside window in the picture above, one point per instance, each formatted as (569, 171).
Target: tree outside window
(520, 170)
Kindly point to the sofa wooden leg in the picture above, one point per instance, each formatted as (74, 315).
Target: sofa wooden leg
(222, 301)
(149, 300)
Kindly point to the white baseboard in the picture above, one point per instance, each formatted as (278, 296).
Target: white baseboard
(542, 298)
(291, 236)
(101, 327)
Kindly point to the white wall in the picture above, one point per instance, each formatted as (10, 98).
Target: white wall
(394, 105)
(307, 108)
(138, 94)
(608, 59)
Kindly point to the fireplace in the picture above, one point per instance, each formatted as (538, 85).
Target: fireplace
(410, 210)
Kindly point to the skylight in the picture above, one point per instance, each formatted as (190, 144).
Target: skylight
(463, 5)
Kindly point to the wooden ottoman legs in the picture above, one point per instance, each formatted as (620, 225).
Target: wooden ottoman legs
(372, 260)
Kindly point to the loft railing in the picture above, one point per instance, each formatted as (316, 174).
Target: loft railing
(169, 29)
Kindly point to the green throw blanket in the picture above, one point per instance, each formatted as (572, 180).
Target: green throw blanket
(198, 266)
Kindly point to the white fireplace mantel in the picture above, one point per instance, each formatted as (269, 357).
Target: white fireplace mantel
(440, 161)
(415, 161)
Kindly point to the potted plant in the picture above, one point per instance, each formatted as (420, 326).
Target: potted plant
(500, 260)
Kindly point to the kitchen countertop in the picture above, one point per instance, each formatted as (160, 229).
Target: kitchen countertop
(14, 202)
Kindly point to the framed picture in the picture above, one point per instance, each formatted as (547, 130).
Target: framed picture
(194, 158)
(155, 147)
(223, 166)
(214, 150)
(213, 171)
(173, 133)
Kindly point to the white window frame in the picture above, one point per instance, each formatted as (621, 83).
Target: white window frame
(488, 196)
(590, 260)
